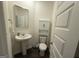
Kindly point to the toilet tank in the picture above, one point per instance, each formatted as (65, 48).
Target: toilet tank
(43, 39)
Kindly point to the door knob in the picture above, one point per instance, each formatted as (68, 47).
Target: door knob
(51, 42)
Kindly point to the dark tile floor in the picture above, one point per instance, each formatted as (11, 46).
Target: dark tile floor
(33, 53)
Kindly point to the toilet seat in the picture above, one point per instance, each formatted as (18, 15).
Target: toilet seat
(42, 46)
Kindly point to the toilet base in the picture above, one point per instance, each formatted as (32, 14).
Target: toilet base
(42, 53)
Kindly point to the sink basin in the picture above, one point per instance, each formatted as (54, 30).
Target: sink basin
(23, 37)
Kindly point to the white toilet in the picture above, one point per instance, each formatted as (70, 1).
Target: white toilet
(42, 46)
(43, 35)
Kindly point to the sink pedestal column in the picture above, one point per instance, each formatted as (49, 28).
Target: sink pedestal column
(24, 52)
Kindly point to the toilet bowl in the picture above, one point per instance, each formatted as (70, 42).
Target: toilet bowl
(42, 48)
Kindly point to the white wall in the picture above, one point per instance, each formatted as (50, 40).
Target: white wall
(43, 9)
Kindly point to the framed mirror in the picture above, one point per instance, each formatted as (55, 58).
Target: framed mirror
(21, 17)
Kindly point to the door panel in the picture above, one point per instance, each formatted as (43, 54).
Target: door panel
(56, 52)
(59, 42)
(64, 6)
(63, 19)
(66, 36)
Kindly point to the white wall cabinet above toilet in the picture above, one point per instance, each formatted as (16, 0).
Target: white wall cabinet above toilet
(44, 25)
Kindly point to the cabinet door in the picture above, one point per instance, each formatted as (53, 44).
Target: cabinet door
(44, 25)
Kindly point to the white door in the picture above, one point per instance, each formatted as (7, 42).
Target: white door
(66, 30)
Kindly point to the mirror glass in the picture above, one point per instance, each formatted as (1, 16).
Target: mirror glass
(21, 17)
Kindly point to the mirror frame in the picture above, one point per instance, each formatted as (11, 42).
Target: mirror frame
(27, 26)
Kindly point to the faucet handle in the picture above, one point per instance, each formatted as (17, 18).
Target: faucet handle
(18, 34)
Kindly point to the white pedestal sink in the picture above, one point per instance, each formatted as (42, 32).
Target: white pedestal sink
(22, 38)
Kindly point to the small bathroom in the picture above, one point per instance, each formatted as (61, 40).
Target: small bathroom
(30, 27)
(39, 29)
